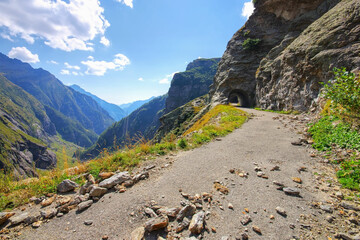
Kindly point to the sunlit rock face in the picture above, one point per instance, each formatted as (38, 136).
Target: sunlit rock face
(274, 22)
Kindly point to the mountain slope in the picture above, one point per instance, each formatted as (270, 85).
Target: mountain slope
(143, 122)
(23, 119)
(130, 107)
(51, 92)
(194, 82)
(113, 110)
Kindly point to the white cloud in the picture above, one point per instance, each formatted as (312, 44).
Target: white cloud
(99, 68)
(128, 3)
(53, 62)
(6, 36)
(141, 79)
(105, 41)
(69, 25)
(65, 72)
(23, 54)
(67, 65)
(75, 73)
(247, 9)
(167, 79)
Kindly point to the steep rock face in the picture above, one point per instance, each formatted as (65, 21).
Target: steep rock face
(289, 76)
(194, 82)
(272, 21)
(47, 89)
(23, 121)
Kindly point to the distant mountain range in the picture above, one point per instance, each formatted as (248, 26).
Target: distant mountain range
(64, 105)
(130, 107)
(116, 112)
(145, 120)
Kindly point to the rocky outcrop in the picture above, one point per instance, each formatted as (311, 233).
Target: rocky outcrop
(182, 118)
(289, 76)
(194, 82)
(273, 22)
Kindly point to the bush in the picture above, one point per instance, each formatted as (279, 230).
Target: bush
(344, 91)
(182, 143)
(250, 43)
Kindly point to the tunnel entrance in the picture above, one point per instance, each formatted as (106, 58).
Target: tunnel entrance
(238, 98)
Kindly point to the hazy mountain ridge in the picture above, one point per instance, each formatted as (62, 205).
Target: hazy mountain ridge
(132, 106)
(113, 110)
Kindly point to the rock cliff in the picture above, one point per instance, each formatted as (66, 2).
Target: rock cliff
(289, 76)
(274, 23)
(194, 82)
(23, 121)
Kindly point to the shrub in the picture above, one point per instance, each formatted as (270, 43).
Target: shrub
(250, 43)
(182, 143)
(344, 91)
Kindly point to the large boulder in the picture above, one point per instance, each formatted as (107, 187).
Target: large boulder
(118, 178)
(67, 186)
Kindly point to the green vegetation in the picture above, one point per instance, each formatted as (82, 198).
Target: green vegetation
(182, 143)
(344, 91)
(339, 126)
(217, 122)
(250, 43)
(208, 127)
(280, 112)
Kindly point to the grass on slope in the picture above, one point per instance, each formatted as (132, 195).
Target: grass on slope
(337, 131)
(219, 121)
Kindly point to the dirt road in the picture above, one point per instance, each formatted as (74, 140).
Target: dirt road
(262, 142)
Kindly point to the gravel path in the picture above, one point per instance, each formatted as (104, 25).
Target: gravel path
(261, 140)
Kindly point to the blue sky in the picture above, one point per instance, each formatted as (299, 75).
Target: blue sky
(119, 50)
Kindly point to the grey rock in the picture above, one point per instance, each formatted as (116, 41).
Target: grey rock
(289, 76)
(156, 223)
(150, 212)
(292, 191)
(88, 222)
(84, 205)
(141, 176)
(138, 234)
(197, 223)
(85, 188)
(170, 212)
(114, 180)
(66, 186)
(97, 191)
(357, 237)
(330, 218)
(245, 219)
(349, 206)
(343, 236)
(327, 208)
(281, 211)
(17, 219)
(186, 211)
(48, 213)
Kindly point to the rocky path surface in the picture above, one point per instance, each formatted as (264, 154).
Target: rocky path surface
(243, 165)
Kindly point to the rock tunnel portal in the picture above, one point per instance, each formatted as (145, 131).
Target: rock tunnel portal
(238, 98)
